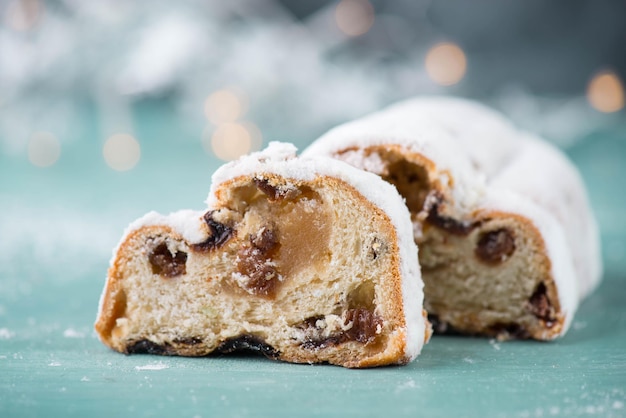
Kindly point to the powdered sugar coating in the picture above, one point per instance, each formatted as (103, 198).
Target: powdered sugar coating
(419, 135)
(494, 167)
(280, 159)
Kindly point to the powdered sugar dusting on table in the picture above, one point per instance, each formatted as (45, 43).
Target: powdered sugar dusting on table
(152, 366)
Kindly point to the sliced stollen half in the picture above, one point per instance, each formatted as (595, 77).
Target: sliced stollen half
(304, 260)
(508, 244)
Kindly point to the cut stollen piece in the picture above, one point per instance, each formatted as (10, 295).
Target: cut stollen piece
(508, 244)
(304, 260)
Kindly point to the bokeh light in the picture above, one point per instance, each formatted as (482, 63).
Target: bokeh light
(354, 17)
(224, 106)
(44, 149)
(256, 137)
(446, 63)
(23, 15)
(228, 142)
(121, 152)
(605, 92)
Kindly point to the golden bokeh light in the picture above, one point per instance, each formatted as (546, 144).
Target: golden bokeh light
(23, 15)
(228, 142)
(256, 137)
(121, 152)
(44, 149)
(224, 106)
(605, 92)
(354, 17)
(446, 63)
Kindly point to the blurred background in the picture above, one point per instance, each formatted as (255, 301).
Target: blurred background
(111, 108)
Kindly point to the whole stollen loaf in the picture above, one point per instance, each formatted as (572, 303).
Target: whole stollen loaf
(508, 242)
(305, 260)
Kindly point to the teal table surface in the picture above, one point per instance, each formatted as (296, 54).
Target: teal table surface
(58, 226)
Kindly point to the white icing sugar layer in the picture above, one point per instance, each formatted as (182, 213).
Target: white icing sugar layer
(494, 166)
(280, 159)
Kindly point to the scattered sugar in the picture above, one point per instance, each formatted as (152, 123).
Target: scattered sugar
(494, 344)
(468, 360)
(3, 357)
(555, 410)
(155, 366)
(54, 364)
(72, 333)
(618, 405)
(409, 384)
(84, 379)
(6, 334)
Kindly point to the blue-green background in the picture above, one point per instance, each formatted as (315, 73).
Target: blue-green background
(51, 363)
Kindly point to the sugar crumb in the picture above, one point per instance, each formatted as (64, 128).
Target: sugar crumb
(494, 344)
(72, 333)
(618, 405)
(156, 366)
(468, 360)
(54, 364)
(6, 334)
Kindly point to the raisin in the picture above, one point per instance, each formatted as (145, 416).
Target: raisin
(495, 247)
(148, 347)
(220, 233)
(364, 329)
(539, 305)
(188, 341)
(447, 223)
(276, 193)
(265, 240)
(254, 263)
(261, 275)
(365, 325)
(165, 263)
(248, 342)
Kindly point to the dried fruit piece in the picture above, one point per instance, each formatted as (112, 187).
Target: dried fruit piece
(361, 325)
(365, 325)
(276, 193)
(447, 223)
(165, 263)
(256, 272)
(495, 247)
(148, 347)
(539, 305)
(220, 233)
(248, 343)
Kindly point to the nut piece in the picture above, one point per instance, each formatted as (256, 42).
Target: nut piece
(165, 263)
(495, 247)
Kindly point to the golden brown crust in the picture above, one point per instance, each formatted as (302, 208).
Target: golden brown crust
(435, 218)
(388, 348)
